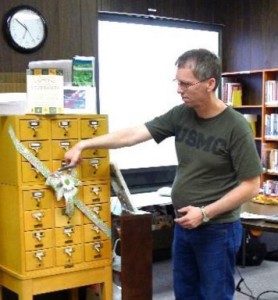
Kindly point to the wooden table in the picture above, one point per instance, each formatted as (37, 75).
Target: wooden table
(262, 209)
(136, 256)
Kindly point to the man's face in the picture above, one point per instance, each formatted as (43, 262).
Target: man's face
(194, 93)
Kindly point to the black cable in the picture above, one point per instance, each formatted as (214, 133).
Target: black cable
(266, 292)
(238, 288)
(251, 296)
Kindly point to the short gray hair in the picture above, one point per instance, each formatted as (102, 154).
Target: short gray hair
(204, 64)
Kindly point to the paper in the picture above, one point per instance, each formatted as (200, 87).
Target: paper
(80, 100)
(251, 216)
(45, 91)
(61, 64)
(83, 70)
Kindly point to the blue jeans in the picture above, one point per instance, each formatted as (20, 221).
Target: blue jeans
(204, 260)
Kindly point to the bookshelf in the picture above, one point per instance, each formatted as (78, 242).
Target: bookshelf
(260, 100)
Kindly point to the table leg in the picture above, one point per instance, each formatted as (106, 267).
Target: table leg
(74, 294)
(243, 247)
(25, 290)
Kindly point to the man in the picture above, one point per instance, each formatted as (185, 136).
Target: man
(218, 170)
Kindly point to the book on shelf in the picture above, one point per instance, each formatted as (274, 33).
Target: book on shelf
(265, 159)
(45, 91)
(269, 157)
(271, 125)
(232, 93)
(271, 92)
(273, 160)
(252, 120)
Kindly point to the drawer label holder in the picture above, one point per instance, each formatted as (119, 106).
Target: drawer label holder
(64, 185)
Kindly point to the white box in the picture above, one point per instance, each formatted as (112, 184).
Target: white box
(13, 104)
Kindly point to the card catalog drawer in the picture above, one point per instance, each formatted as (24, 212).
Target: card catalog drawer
(64, 129)
(68, 256)
(68, 235)
(37, 219)
(57, 164)
(102, 211)
(89, 153)
(91, 127)
(96, 193)
(98, 250)
(59, 148)
(31, 175)
(40, 149)
(33, 129)
(38, 239)
(40, 259)
(62, 220)
(95, 167)
(93, 233)
(39, 198)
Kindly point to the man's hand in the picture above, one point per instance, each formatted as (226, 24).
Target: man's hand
(191, 217)
(73, 156)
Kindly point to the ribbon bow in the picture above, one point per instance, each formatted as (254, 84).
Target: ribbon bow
(65, 185)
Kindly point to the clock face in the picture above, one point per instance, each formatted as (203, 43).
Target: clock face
(25, 29)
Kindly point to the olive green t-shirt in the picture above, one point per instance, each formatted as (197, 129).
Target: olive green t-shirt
(213, 154)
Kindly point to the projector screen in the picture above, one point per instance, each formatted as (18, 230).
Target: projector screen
(136, 64)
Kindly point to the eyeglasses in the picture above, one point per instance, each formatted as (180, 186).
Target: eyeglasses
(187, 85)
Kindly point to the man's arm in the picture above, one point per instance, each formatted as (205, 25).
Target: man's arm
(245, 191)
(118, 139)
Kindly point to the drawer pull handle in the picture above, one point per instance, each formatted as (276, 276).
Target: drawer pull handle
(65, 145)
(34, 124)
(38, 235)
(96, 229)
(96, 210)
(94, 125)
(35, 170)
(66, 131)
(38, 196)
(38, 216)
(95, 163)
(69, 251)
(65, 125)
(39, 255)
(97, 247)
(35, 147)
(35, 131)
(68, 231)
(96, 190)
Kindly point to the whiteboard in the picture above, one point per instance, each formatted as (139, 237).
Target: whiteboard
(136, 70)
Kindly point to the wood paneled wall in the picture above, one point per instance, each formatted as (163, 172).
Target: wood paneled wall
(72, 29)
(250, 32)
(250, 35)
(250, 38)
(196, 10)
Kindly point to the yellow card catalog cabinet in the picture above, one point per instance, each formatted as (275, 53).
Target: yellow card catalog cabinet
(42, 248)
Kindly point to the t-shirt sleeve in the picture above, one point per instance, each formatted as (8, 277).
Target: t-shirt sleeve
(162, 126)
(246, 159)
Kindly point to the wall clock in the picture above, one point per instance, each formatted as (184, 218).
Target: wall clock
(25, 28)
